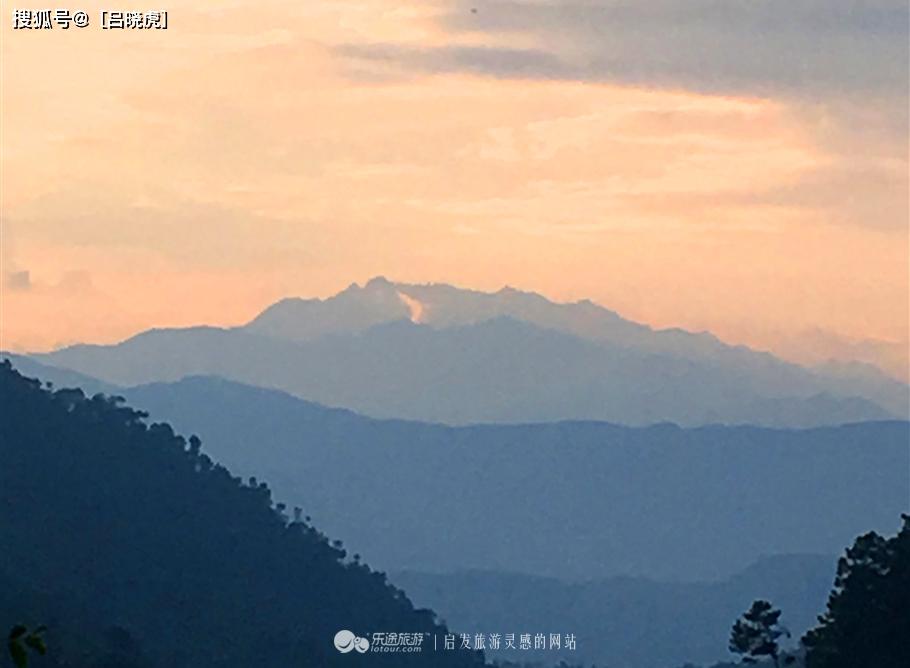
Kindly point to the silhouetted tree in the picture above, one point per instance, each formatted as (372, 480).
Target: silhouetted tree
(755, 634)
(867, 621)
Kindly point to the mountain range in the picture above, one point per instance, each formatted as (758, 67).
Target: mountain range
(442, 354)
(635, 539)
(510, 460)
(572, 500)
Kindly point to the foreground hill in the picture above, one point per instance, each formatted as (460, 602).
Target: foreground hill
(436, 353)
(576, 500)
(137, 550)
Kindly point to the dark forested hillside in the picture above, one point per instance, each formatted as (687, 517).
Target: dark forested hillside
(137, 550)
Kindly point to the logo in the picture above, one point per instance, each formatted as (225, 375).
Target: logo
(345, 641)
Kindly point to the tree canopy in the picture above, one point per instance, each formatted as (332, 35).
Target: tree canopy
(867, 621)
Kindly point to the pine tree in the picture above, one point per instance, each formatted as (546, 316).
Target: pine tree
(755, 634)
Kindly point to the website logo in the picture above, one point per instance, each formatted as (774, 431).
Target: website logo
(345, 641)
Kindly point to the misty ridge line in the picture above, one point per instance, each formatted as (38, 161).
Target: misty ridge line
(420, 312)
(421, 305)
(437, 353)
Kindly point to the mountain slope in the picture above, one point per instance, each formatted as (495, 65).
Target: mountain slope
(113, 524)
(573, 500)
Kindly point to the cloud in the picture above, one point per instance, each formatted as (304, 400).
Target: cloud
(189, 232)
(69, 283)
(497, 62)
(840, 67)
(802, 47)
(18, 280)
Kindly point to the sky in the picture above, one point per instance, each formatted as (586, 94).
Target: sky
(738, 166)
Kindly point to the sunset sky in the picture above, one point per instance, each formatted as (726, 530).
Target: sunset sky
(739, 165)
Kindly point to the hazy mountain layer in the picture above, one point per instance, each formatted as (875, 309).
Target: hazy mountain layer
(436, 353)
(571, 500)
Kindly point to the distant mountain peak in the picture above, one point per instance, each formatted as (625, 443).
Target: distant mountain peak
(440, 305)
(375, 284)
(379, 281)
